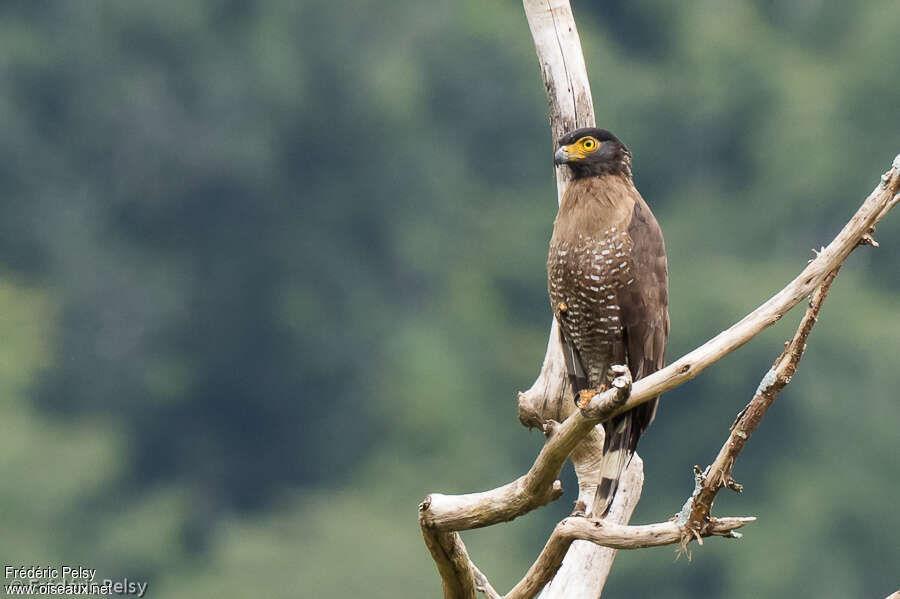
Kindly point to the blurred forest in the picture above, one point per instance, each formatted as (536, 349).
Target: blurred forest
(272, 271)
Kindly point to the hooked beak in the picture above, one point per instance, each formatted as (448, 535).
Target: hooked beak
(561, 157)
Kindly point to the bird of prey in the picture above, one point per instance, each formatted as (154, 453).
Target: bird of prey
(608, 283)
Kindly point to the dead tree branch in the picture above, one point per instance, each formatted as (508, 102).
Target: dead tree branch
(570, 105)
(536, 488)
(447, 512)
(582, 546)
(484, 586)
(452, 560)
(610, 535)
(586, 566)
(718, 475)
(442, 513)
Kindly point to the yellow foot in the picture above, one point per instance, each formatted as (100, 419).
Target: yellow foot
(586, 395)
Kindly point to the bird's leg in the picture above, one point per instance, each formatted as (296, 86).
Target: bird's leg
(619, 389)
(621, 380)
(618, 376)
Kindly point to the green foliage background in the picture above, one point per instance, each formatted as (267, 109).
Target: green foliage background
(271, 271)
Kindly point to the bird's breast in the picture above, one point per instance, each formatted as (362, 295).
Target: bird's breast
(585, 277)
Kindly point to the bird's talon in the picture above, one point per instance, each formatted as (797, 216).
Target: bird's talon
(622, 380)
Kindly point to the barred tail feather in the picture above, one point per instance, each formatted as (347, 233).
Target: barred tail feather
(617, 452)
(622, 436)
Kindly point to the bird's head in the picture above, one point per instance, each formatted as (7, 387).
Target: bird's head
(592, 152)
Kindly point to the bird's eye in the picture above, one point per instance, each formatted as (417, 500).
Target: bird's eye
(589, 144)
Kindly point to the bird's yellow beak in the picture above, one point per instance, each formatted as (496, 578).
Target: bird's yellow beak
(570, 153)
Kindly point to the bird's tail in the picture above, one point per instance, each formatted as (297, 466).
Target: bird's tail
(622, 434)
(617, 452)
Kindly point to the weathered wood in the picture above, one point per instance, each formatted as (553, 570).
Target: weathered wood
(581, 568)
(453, 563)
(570, 105)
(563, 72)
(536, 488)
(477, 510)
(718, 475)
(587, 565)
(446, 512)
(483, 585)
(574, 574)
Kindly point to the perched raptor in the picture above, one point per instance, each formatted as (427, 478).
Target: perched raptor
(608, 284)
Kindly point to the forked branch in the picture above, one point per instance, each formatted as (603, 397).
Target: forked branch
(576, 434)
(468, 511)
(461, 512)
(610, 535)
(719, 475)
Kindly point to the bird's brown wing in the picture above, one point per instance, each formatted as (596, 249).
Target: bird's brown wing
(645, 308)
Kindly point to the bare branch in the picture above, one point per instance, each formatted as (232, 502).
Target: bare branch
(718, 475)
(570, 105)
(563, 72)
(476, 510)
(453, 563)
(607, 534)
(536, 488)
(586, 566)
(484, 585)
(548, 401)
(550, 397)
(545, 567)
(646, 535)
